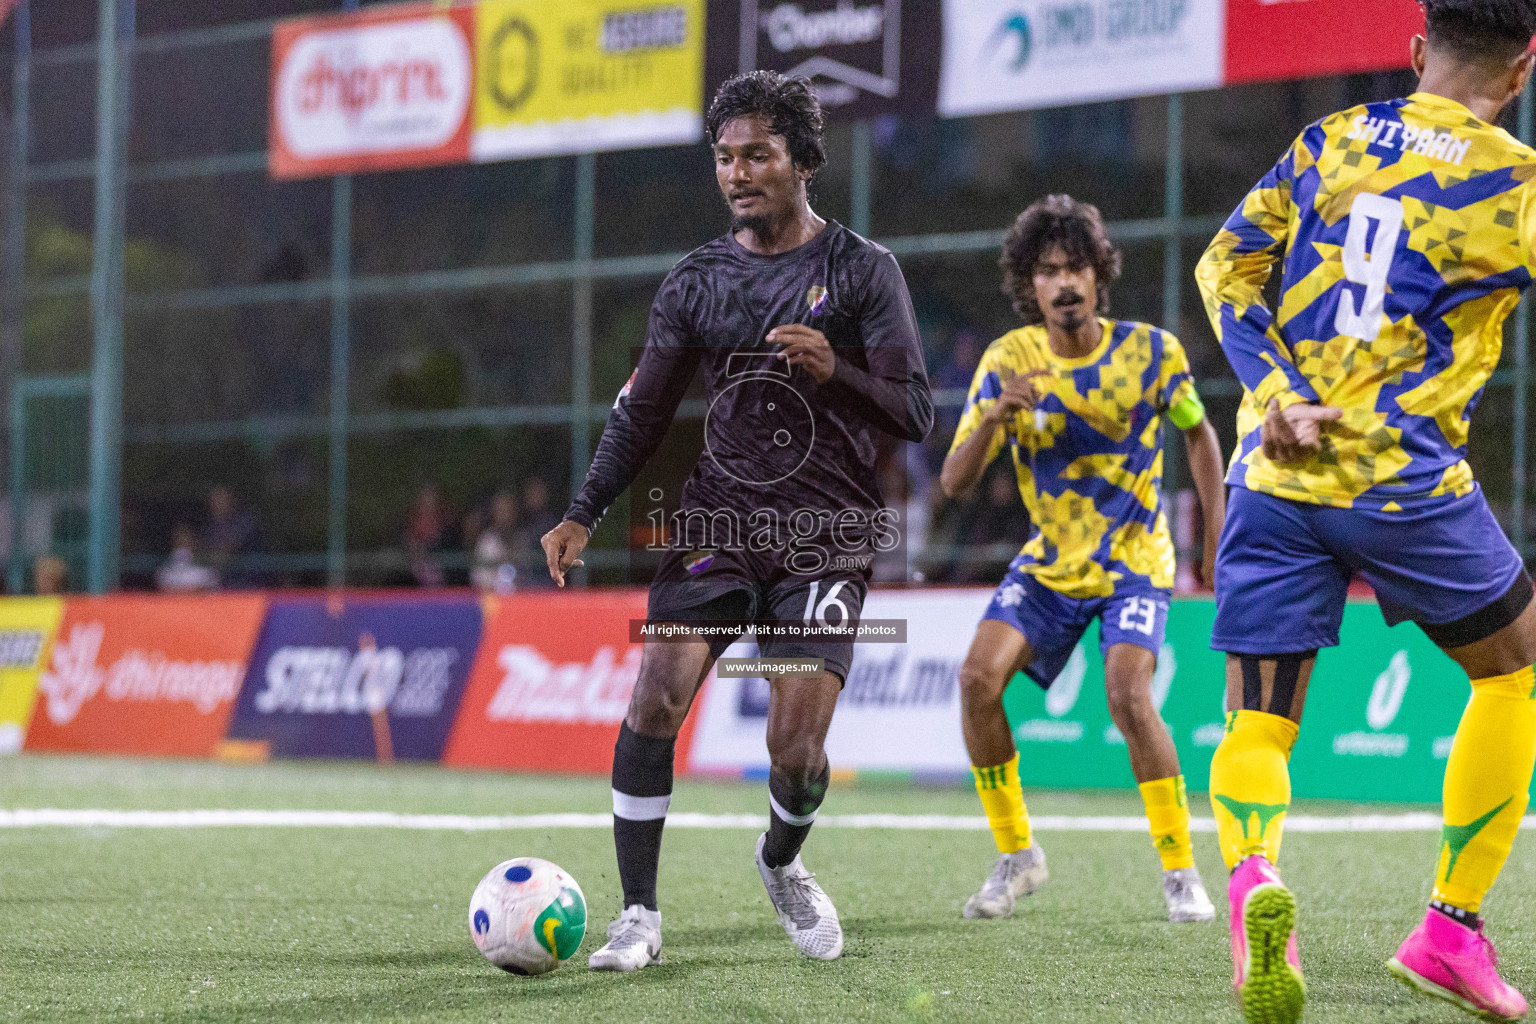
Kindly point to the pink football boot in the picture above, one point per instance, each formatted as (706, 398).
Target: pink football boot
(1266, 966)
(1448, 960)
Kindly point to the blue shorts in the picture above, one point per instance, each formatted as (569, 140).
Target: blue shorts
(1283, 569)
(1053, 623)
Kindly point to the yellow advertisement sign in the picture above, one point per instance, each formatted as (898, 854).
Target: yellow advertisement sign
(570, 76)
(27, 628)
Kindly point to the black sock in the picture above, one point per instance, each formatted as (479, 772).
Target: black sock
(791, 812)
(642, 791)
(1466, 917)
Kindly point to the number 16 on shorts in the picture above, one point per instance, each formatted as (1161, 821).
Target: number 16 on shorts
(1133, 618)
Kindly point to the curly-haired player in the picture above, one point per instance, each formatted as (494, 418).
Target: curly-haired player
(1406, 232)
(1079, 400)
(809, 348)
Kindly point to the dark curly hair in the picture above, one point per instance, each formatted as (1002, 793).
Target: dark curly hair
(1481, 29)
(788, 105)
(1056, 220)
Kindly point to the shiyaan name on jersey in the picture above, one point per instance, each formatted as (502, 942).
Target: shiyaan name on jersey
(1426, 141)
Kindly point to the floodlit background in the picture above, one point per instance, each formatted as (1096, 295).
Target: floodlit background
(329, 379)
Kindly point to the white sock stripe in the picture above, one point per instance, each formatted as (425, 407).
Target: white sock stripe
(640, 808)
(793, 819)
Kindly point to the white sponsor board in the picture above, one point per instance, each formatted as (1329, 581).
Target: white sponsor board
(900, 708)
(391, 88)
(1017, 54)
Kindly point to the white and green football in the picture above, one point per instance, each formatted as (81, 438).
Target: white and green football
(527, 916)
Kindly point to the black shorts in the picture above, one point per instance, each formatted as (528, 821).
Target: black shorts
(730, 586)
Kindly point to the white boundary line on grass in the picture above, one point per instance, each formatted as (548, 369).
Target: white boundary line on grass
(70, 818)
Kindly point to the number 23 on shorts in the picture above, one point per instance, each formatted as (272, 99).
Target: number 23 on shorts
(1139, 614)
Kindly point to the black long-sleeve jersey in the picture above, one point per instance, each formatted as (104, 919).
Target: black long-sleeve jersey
(775, 438)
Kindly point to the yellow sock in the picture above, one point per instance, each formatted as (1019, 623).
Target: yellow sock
(1003, 799)
(1168, 814)
(1251, 784)
(1487, 784)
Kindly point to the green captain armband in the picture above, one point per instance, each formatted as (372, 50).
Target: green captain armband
(1187, 413)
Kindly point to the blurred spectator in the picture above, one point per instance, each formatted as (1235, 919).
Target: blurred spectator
(998, 519)
(954, 375)
(492, 567)
(181, 573)
(427, 536)
(230, 533)
(538, 517)
(50, 575)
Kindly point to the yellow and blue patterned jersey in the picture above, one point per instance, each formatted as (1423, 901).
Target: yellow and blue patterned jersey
(1404, 230)
(1089, 457)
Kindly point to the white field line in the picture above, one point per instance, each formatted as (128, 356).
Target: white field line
(70, 818)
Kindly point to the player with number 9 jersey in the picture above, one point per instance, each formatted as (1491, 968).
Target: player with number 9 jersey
(1404, 233)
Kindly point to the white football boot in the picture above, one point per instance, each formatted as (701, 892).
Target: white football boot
(806, 912)
(1014, 875)
(634, 941)
(1185, 893)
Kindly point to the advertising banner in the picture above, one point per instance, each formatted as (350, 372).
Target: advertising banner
(1381, 710)
(581, 75)
(358, 677)
(27, 626)
(1268, 40)
(864, 58)
(1380, 713)
(145, 674)
(552, 684)
(899, 709)
(371, 91)
(1018, 54)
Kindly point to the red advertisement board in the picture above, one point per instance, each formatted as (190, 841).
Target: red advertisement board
(145, 674)
(371, 91)
(1275, 39)
(551, 684)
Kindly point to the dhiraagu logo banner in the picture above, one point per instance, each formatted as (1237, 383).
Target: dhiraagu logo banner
(582, 75)
(1381, 711)
(27, 628)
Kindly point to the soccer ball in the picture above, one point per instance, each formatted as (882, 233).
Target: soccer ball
(527, 916)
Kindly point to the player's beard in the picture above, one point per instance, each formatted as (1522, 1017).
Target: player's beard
(756, 223)
(1072, 317)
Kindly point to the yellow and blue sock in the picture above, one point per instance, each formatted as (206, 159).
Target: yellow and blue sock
(1002, 797)
(1168, 815)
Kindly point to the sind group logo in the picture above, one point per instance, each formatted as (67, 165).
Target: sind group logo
(1011, 41)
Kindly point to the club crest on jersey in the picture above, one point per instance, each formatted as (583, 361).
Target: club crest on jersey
(699, 562)
(623, 391)
(816, 298)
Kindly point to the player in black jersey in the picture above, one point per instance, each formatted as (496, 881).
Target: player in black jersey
(809, 348)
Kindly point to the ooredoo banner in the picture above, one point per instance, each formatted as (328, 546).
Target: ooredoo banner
(27, 626)
(358, 677)
(1381, 711)
(584, 75)
(371, 91)
(552, 684)
(1015, 54)
(145, 674)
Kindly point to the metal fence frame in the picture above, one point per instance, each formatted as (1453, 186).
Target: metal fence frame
(114, 50)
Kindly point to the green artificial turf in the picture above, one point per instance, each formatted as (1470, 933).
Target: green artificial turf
(289, 924)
